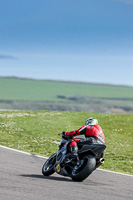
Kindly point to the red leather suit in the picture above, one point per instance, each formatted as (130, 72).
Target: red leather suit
(94, 131)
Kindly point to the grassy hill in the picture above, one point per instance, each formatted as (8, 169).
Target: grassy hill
(37, 132)
(30, 94)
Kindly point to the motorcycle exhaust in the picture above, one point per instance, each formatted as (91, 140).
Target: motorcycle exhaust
(100, 162)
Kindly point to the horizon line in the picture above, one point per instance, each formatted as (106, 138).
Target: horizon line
(67, 81)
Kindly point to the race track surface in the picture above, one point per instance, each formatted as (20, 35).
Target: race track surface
(21, 179)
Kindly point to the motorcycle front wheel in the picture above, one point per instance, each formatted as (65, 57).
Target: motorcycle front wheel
(48, 167)
(87, 166)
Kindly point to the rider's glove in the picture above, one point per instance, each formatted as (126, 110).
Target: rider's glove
(64, 135)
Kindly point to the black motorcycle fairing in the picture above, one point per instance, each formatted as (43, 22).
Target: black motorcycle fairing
(95, 149)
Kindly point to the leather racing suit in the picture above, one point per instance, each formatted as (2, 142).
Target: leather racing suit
(93, 134)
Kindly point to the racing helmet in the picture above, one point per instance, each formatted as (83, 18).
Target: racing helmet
(91, 121)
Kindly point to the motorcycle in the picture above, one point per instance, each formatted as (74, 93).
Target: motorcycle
(90, 157)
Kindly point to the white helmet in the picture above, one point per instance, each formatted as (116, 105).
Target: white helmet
(91, 121)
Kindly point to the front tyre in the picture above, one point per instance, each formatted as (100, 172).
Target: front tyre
(85, 169)
(48, 167)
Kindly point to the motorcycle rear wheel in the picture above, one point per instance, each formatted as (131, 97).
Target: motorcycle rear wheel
(88, 166)
(48, 167)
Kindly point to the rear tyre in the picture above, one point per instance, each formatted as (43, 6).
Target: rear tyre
(87, 167)
(48, 167)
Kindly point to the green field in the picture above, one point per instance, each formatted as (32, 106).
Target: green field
(28, 94)
(28, 89)
(37, 132)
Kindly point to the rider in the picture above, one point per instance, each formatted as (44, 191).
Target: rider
(93, 134)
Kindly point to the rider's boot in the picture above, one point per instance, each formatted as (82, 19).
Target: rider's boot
(74, 151)
(74, 154)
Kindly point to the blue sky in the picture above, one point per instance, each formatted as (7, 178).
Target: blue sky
(75, 40)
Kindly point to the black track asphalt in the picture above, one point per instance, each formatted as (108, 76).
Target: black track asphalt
(21, 179)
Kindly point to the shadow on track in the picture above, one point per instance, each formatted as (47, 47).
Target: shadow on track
(64, 179)
(46, 177)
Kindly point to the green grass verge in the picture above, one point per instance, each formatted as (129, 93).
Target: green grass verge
(37, 132)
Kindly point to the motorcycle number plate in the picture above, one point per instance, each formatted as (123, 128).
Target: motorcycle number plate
(58, 168)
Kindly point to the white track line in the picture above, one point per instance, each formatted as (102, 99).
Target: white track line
(115, 172)
(30, 154)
